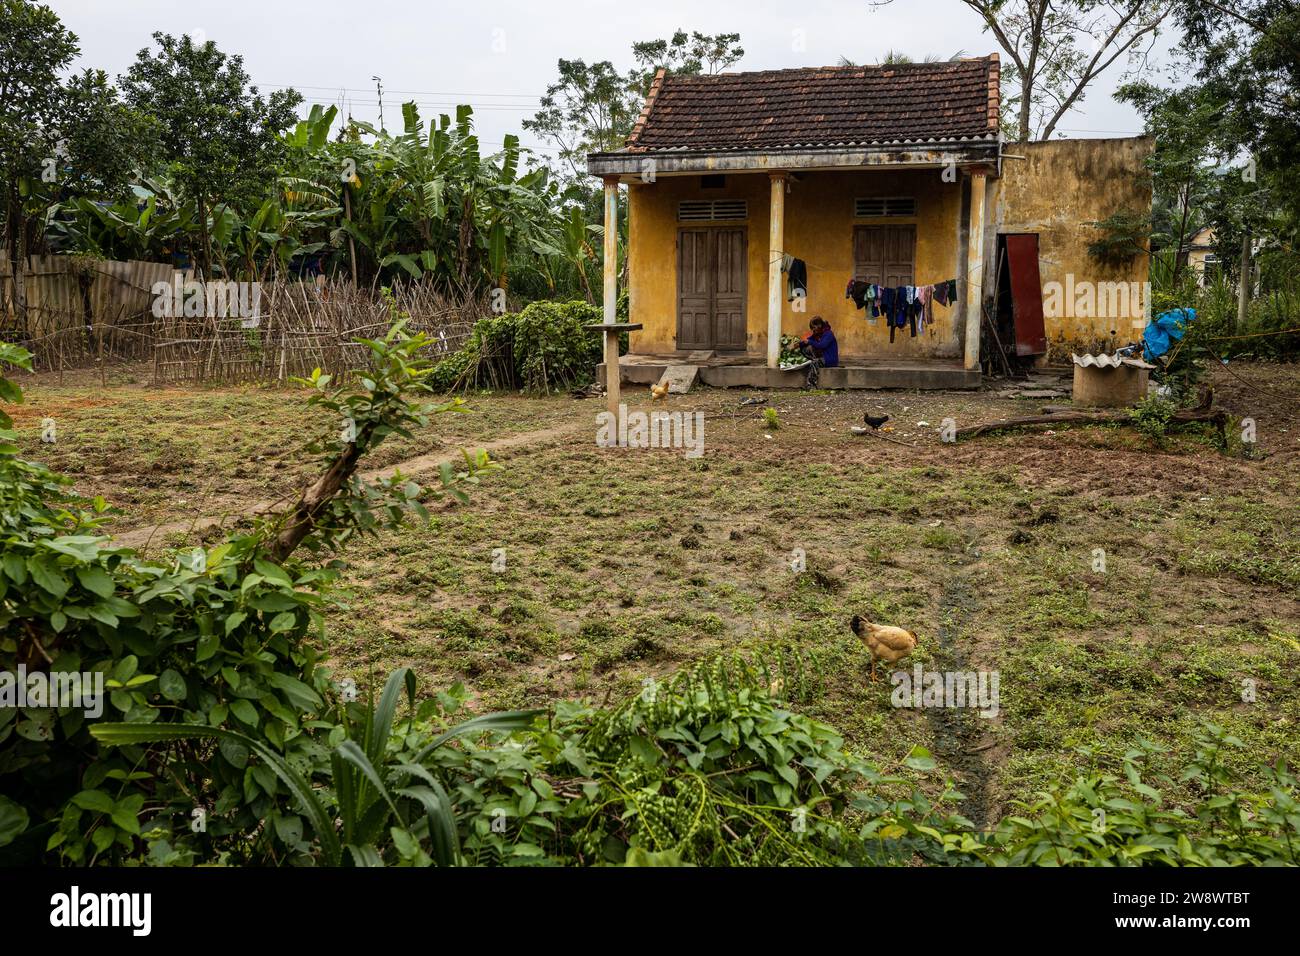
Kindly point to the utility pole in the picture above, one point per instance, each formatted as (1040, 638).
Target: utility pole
(379, 86)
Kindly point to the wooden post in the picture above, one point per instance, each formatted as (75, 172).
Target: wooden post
(1243, 286)
(612, 373)
(975, 270)
(775, 252)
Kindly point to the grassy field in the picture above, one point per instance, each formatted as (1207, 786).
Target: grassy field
(620, 564)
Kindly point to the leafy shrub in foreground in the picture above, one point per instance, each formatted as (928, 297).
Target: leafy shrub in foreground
(1101, 820)
(225, 638)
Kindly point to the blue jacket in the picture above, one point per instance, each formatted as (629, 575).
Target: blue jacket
(828, 350)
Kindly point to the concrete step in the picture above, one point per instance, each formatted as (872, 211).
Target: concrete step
(680, 378)
(939, 377)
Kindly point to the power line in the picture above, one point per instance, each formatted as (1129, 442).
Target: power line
(479, 107)
(367, 89)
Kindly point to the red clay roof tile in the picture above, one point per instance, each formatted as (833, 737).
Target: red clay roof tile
(821, 106)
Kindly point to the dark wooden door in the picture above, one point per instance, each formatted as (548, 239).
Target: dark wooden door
(712, 270)
(884, 255)
(729, 274)
(694, 290)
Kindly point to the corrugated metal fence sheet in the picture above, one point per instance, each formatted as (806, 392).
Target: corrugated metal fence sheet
(64, 292)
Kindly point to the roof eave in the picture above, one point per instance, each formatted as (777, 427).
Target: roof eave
(930, 153)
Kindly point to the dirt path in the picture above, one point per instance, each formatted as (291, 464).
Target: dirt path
(141, 538)
(958, 734)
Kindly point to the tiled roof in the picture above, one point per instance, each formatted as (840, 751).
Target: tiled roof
(822, 106)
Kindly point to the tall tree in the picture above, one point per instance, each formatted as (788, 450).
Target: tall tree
(587, 110)
(1188, 148)
(686, 54)
(107, 142)
(1056, 49)
(59, 138)
(592, 106)
(1246, 57)
(221, 136)
(35, 49)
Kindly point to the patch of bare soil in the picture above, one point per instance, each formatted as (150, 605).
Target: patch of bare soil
(236, 511)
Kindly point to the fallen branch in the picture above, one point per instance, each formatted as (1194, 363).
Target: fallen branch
(1184, 416)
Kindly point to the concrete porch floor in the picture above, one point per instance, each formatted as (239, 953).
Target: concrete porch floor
(724, 371)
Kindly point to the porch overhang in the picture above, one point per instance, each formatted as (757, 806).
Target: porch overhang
(645, 163)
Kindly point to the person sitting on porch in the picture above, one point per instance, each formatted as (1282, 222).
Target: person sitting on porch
(820, 347)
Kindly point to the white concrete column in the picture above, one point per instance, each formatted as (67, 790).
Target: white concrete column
(775, 250)
(610, 289)
(975, 270)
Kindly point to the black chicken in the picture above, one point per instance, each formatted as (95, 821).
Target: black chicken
(875, 421)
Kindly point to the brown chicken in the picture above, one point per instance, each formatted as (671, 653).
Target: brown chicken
(658, 391)
(889, 644)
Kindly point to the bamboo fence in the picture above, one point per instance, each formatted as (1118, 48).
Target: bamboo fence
(84, 313)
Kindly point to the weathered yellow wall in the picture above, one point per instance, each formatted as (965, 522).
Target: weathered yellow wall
(1054, 191)
(1058, 188)
(819, 225)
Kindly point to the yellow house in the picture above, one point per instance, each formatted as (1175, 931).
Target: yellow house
(1201, 257)
(893, 177)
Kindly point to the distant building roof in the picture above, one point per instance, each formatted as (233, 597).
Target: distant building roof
(821, 107)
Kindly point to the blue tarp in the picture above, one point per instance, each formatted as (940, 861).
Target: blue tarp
(1165, 329)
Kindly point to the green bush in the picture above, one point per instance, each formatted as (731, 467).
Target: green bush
(709, 767)
(225, 638)
(1103, 820)
(1151, 417)
(542, 348)
(374, 806)
(1269, 331)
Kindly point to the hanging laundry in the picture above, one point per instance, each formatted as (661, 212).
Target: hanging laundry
(941, 293)
(952, 291)
(859, 292)
(884, 305)
(796, 277)
(900, 306)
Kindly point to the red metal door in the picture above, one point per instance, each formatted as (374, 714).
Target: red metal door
(1026, 294)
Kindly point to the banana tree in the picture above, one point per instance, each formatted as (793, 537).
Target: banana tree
(458, 215)
(577, 248)
(152, 225)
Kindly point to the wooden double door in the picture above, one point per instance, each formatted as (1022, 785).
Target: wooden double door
(712, 268)
(885, 255)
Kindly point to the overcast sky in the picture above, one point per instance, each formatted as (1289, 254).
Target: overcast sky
(499, 56)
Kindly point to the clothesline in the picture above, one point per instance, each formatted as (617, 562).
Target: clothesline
(902, 305)
(780, 257)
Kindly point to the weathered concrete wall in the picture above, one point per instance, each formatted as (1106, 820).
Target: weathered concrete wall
(1055, 190)
(819, 225)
